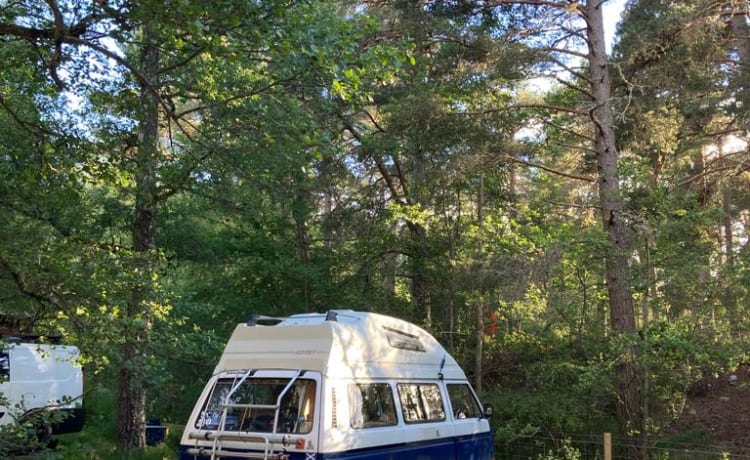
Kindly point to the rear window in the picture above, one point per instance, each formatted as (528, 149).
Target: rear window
(296, 411)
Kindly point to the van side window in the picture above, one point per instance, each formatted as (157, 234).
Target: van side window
(371, 405)
(463, 402)
(421, 402)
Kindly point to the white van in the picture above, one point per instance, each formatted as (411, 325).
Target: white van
(34, 377)
(342, 385)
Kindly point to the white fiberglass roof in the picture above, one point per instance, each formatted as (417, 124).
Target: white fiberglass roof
(339, 343)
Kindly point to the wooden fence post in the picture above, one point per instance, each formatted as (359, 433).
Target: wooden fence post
(607, 446)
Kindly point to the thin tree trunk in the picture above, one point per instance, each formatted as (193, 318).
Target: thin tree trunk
(726, 222)
(421, 282)
(303, 245)
(421, 290)
(478, 370)
(622, 311)
(741, 32)
(131, 402)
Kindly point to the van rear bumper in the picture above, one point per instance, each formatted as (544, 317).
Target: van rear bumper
(72, 421)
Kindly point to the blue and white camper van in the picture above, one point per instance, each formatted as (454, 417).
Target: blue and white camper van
(341, 385)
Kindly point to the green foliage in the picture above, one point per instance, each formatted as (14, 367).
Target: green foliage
(566, 452)
(317, 155)
(30, 431)
(97, 440)
(696, 438)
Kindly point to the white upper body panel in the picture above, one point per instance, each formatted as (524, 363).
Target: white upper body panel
(39, 375)
(340, 344)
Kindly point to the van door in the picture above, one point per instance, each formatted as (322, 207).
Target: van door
(427, 431)
(473, 437)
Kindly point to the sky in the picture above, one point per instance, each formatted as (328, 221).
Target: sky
(612, 11)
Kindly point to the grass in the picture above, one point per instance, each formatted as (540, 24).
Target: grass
(90, 446)
(693, 438)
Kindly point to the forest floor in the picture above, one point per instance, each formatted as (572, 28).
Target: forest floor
(719, 414)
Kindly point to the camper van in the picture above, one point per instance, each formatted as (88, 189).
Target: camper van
(339, 385)
(36, 377)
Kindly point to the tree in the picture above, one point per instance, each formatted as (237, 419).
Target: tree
(148, 107)
(570, 40)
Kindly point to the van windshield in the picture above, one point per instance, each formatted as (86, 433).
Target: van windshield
(251, 408)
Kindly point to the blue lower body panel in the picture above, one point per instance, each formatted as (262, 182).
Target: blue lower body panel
(475, 447)
(471, 447)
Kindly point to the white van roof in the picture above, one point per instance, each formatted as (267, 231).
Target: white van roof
(339, 344)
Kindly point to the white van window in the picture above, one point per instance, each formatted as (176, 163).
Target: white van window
(463, 402)
(296, 413)
(403, 340)
(371, 405)
(421, 402)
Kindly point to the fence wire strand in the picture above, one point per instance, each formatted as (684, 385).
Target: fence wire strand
(566, 448)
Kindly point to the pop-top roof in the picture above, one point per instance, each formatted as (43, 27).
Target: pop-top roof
(339, 343)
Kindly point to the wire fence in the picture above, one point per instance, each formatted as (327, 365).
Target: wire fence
(595, 448)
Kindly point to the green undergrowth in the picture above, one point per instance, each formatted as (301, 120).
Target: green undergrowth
(97, 441)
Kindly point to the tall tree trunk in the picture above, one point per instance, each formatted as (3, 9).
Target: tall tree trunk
(622, 311)
(478, 370)
(421, 290)
(738, 23)
(421, 280)
(303, 245)
(131, 402)
(739, 10)
(726, 222)
(741, 31)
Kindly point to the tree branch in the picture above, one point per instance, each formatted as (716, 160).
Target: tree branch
(571, 70)
(554, 108)
(566, 51)
(26, 33)
(29, 126)
(573, 87)
(549, 170)
(21, 285)
(567, 130)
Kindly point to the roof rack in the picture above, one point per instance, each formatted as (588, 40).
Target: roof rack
(257, 319)
(263, 320)
(27, 337)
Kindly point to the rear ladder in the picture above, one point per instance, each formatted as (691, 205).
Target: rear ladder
(217, 450)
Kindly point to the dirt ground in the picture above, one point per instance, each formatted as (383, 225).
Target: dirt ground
(722, 410)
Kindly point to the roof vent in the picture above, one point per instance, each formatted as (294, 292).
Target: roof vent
(403, 340)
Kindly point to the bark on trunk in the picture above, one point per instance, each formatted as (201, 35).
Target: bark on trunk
(741, 35)
(303, 245)
(739, 10)
(478, 369)
(622, 311)
(726, 222)
(741, 31)
(131, 402)
(421, 291)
